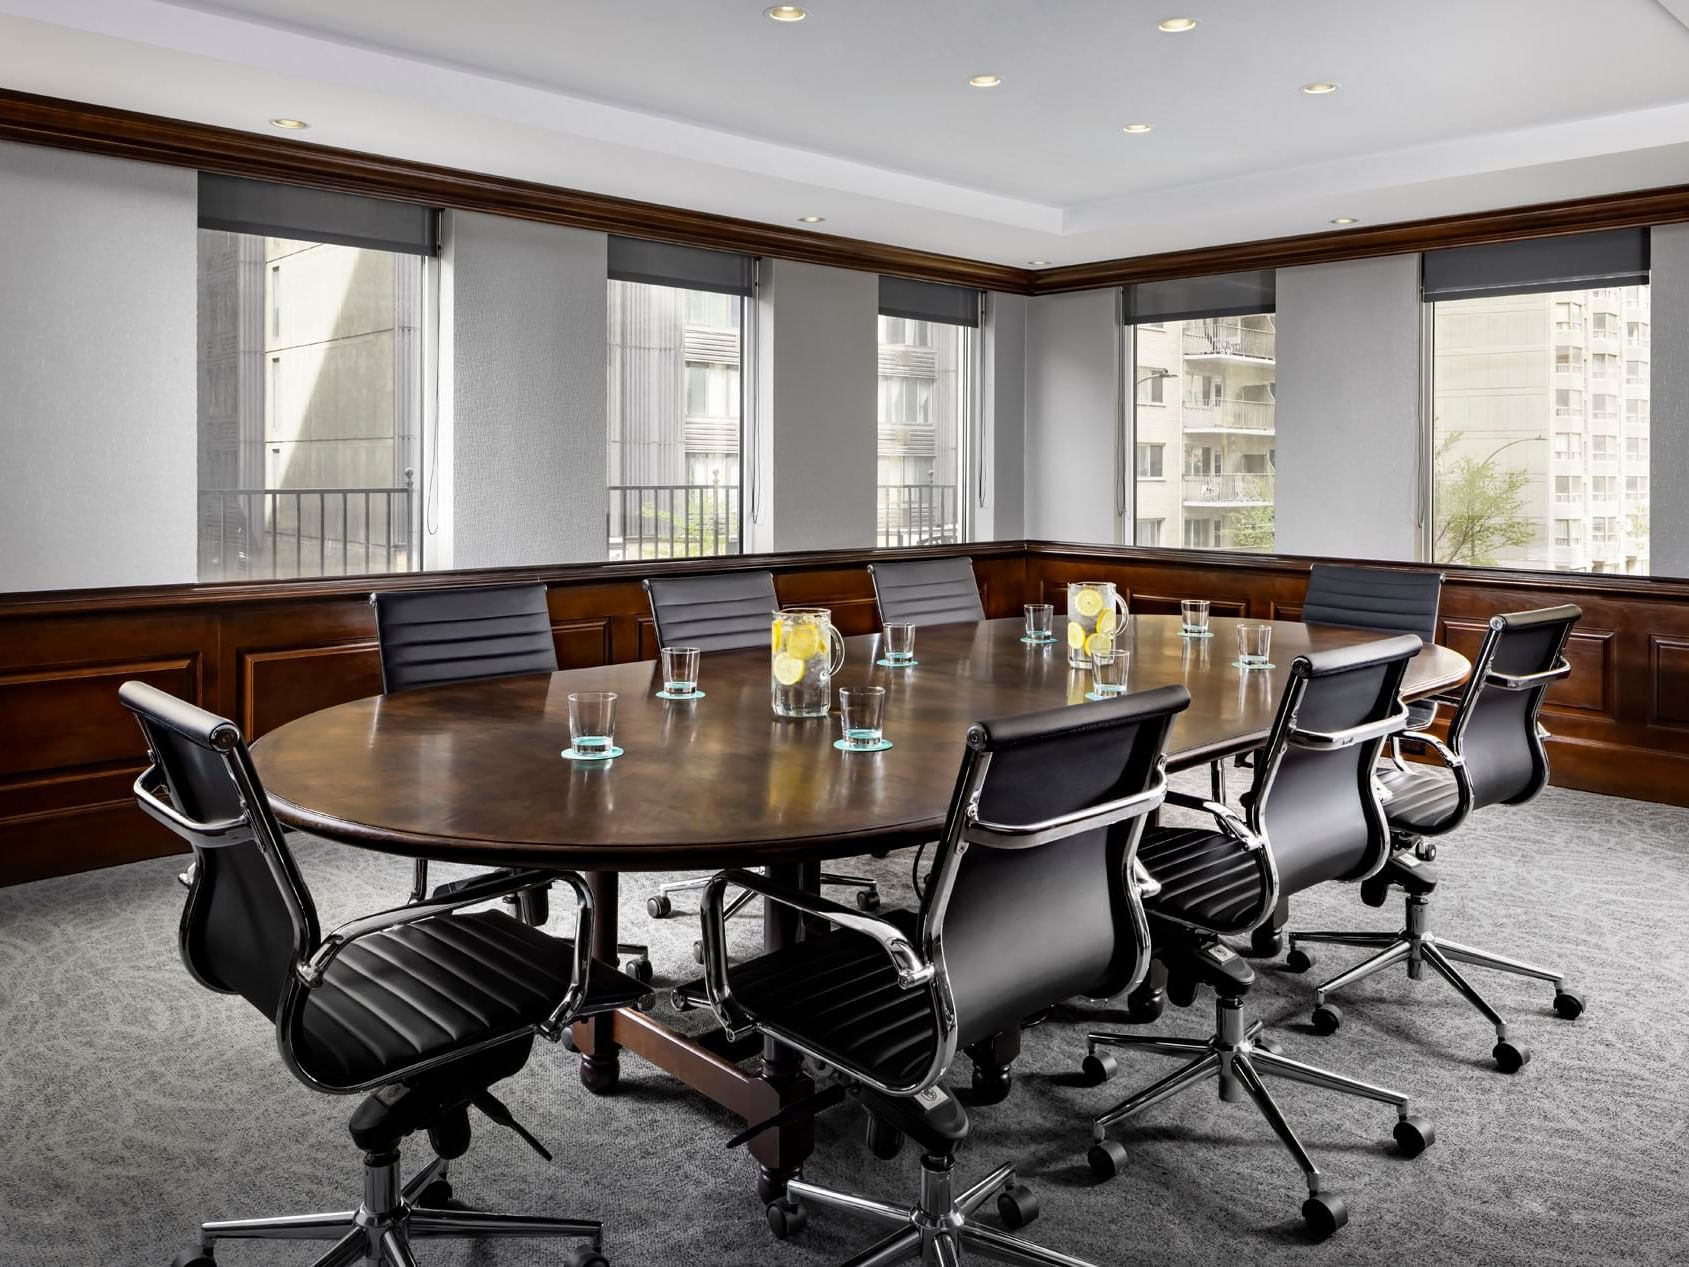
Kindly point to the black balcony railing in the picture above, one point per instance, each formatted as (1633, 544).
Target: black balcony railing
(916, 515)
(673, 521)
(269, 533)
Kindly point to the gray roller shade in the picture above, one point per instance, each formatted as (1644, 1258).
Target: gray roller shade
(929, 301)
(237, 205)
(1615, 257)
(1187, 298)
(686, 267)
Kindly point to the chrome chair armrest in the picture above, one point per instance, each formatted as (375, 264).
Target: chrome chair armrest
(150, 794)
(1528, 681)
(1228, 820)
(310, 970)
(912, 970)
(1328, 739)
(1447, 755)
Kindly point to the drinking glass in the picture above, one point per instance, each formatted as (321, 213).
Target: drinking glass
(1254, 642)
(1109, 670)
(900, 642)
(1040, 622)
(592, 721)
(680, 670)
(1195, 613)
(861, 710)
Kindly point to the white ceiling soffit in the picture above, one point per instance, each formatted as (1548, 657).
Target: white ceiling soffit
(1445, 106)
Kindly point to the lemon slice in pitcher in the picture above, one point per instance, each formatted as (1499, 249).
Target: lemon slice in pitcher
(779, 633)
(803, 641)
(1107, 622)
(788, 670)
(1075, 635)
(1088, 602)
(1098, 642)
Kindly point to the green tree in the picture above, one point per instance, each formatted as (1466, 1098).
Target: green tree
(1479, 507)
(1253, 527)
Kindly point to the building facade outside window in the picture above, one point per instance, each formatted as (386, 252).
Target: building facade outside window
(924, 425)
(1535, 404)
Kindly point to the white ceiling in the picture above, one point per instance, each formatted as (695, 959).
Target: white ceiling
(862, 112)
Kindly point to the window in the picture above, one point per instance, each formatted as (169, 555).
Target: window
(928, 411)
(1147, 532)
(1200, 534)
(1525, 469)
(1149, 462)
(1151, 382)
(675, 388)
(311, 396)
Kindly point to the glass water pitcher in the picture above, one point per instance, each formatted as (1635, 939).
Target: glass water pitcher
(806, 652)
(1096, 613)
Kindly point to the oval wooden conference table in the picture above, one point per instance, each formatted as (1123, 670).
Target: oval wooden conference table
(472, 772)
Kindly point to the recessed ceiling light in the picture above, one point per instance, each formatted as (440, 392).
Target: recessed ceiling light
(812, 219)
(1135, 128)
(292, 125)
(986, 81)
(1318, 89)
(1174, 26)
(1038, 263)
(1344, 220)
(787, 13)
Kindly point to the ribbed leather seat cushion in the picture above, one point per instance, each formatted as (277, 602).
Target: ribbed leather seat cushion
(460, 635)
(423, 990)
(928, 592)
(1422, 798)
(839, 992)
(1206, 877)
(721, 612)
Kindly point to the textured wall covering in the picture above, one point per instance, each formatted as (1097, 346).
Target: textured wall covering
(98, 466)
(526, 392)
(1073, 349)
(1668, 548)
(1348, 409)
(819, 339)
(1005, 418)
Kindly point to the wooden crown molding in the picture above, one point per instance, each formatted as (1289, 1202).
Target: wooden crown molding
(151, 138)
(95, 129)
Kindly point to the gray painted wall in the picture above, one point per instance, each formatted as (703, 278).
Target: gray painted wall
(1348, 409)
(98, 458)
(1668, 415)
(818, 355)
(1004, 344)
(523, 369)
(1073, 348)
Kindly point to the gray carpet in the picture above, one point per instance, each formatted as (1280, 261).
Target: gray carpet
(136, 1103)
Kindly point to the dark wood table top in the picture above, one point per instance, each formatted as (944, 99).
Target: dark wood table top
(473, 772)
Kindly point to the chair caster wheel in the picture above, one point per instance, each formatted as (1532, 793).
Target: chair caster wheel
(786, 1219)
(639, 970)
(1098, 1067)
(1266, 943)
(1106, 1158)
(1567, 1006)
(1375, 892)
(194, 1258)
(1327, 1018)
(1298, 960)
(884, 1140)
(1017, 1206)
(568, 1039)
(1414, 1135)
(1269, 1045)
(1324, 1214)
(659, 907)
(586, 1256)
(867, 899)
(1510, 1059)
(697, 952)
(435, 1194)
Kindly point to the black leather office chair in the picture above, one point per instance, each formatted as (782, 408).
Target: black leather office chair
(1313, 816)
(1494, 756)
(927, 591)
(466, 634)
(723, 611)
(1033, 899)
(425, 1006)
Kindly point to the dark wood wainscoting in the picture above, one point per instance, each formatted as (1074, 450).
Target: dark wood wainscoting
(265, 654)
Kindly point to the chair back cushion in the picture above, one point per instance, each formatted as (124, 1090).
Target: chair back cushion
(724, 611)
(1505, 758)
(927, 591)
(460, 635)
(1384, 599)
(1025, 927)
(1318, 806)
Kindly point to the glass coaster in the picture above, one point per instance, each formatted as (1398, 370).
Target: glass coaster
(900, 664)
(668, 695)
(1239, 664)
(1206, 633)
(569, 754)
(1099, 696)
(842, 746)
(1039, 642)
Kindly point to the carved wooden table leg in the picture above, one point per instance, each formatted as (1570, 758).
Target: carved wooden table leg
(600, 1056)
(781, 1152)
